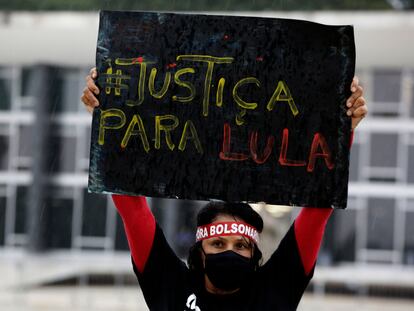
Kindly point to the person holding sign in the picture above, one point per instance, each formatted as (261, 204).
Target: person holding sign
(224, 269)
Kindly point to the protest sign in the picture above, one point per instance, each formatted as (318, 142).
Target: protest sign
(225, 107)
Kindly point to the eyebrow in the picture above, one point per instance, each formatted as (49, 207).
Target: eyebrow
(240, 239)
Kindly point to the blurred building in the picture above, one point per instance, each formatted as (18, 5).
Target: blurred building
(45, 132)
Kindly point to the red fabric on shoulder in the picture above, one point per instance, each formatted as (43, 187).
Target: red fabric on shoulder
(309, 228)
(139, 224)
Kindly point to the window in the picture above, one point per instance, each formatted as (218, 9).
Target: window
(343, 234)
(86, 140)
(383, 150)
(25, 147)
(62, 150)
(58, 212)
(380, 226)
(5, 89)
(22, 199)
(121, 242)
(26, 81)
(68, 90)
(354, 162)
(2, 219)
(4, 152)
(410, 171)
(94, 214)
(412, 100)
(386, 92)
(409, 236)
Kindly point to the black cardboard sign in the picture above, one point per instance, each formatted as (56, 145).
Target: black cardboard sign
(224, 107)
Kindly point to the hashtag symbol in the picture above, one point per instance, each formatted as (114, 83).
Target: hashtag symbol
(114, 81)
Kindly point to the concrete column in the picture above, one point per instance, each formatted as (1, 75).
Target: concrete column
(41, 86)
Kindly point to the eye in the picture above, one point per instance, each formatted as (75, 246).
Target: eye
(217, 243)
(241, 245)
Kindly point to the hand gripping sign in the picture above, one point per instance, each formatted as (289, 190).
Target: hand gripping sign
(224, 107)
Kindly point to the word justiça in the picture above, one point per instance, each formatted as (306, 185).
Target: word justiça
(115, 79)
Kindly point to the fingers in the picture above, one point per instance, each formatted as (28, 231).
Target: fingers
(358, 93)
(354, 84)
(360, 101)
(90, 91)
(89, 99)
(360, 112)
(90, 83)
(93, 73)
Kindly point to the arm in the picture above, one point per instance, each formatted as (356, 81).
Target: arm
(311, 222)
(309, 228)
(138, 220)
(161, 274)
(139, 226)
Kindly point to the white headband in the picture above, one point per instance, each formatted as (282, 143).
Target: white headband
(225, 229)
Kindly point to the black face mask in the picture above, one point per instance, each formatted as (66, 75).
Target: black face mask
(228, 270)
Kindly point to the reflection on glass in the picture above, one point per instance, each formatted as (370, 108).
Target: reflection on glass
(58, 216)
(62, 154)
(25, 148)
(2, 219)
(4, 152)
(22, 199)
(384, 150)
(380, 226)
(94, 214)
(409, 236)
(5, 94)
(67, 91)
(121, 242)
(387, 86)
(410, 171)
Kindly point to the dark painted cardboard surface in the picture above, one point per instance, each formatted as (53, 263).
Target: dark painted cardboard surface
(313, 62)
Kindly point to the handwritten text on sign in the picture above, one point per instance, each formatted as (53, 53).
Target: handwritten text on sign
(258, 123)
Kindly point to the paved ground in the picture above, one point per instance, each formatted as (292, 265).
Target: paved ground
(86, 298)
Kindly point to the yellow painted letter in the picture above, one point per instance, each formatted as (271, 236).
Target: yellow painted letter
(142, 75)
(103, 125)
(211, 61)
(151, 84)
(243, 105)
(282, 94)
(190, 132)
(136, 120)
(167, 128)
(188, 85)
(219, 94)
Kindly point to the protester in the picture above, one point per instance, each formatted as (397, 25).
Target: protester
(224, 269)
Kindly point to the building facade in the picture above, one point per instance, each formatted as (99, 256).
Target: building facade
(44, 144)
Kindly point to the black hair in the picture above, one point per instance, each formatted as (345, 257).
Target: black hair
(208, 214)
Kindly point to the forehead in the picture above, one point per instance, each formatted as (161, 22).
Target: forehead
(226, 218)
(229, 238)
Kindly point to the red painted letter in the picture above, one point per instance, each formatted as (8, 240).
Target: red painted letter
(319, 140)
(225, 154)
(283, 152)
(253, 148)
